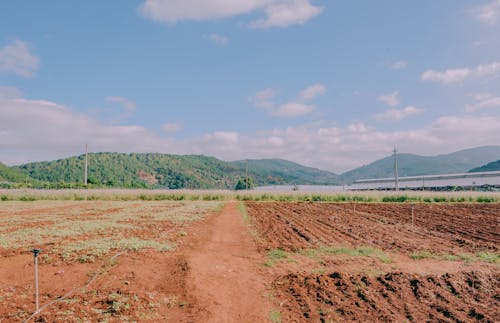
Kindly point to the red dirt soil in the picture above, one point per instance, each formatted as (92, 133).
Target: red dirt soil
(338, 288)
(295, 226)
(215, 274)
(226, 275)
(400, 297)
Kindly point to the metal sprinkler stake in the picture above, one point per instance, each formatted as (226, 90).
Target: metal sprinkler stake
(35, 254)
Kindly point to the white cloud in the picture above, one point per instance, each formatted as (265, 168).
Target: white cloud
(482, 96)
(38, 129)
(312, 91)
(218, 39)
(42, 130)
(224, 137)
(484, 101)
(275, 141)
(397, 114)
(461, 74)
(391, 100)
(279, 13)
(128, 106)
(172, 127)
(293, 109)
(286, 13)
(399, 65)
(17, 58)
(489, 13)
(263, 99)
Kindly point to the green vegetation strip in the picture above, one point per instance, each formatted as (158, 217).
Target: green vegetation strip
(320, 252)
(243, 210)
(193, 195)
(489, 257)
(277, 255)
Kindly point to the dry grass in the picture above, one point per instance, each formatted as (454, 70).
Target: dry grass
(29, 195)
(85, 230)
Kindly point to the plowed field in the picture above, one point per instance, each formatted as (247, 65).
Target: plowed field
(448, 229)
(393, 297)
(377, 262)
(202, 261)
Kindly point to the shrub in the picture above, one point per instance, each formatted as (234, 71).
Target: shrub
(439, 199)
(485, 199)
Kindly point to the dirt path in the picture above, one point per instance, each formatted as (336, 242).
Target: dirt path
(226, 277)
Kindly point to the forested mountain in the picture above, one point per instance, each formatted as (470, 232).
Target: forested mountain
(415, 165)
(195, 171)
(171, 171)
(10, 174)
(490, 167)
(279, 171)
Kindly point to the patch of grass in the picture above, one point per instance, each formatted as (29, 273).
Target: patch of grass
(490, 257)
(320, 252)
(117, 303)
(243, 211)
(23, 237)
(275, 316)
(276, 255)
(224, 195)
(86, 251)
(27, 198)
(395, 198)
(421, 255)
(485, 199)
(481, 256)
(318, 271)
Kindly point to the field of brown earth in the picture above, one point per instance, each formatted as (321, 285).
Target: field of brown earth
(449, 229)
(100, 260)
(335, 262)
(213, 261)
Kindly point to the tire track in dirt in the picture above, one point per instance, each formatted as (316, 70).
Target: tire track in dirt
(226, 279)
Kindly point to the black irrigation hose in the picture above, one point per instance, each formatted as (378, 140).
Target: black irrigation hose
(71, 292)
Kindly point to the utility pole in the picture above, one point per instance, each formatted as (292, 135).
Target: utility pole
(396, 175)
(246, 175)
(86, 165)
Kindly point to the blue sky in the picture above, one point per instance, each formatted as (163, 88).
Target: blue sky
(329, 84)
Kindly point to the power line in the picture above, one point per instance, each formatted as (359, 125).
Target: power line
(396, 175)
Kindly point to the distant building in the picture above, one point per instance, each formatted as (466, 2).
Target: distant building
(440, 182)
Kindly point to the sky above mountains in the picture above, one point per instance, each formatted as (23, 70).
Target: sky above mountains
(329, 84)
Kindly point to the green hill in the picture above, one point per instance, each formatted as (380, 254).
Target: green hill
(279, 171)
(195, 171)
(171, 171)
(415, 165)
(11, 174)
(490, 167)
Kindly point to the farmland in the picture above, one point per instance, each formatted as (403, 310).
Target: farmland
(121, 257)
(187, 258)
(338, 262)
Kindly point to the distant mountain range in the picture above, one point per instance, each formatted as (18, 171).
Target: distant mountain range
(171, 171)
(490, 167)
(414, 165)
(195, 171)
